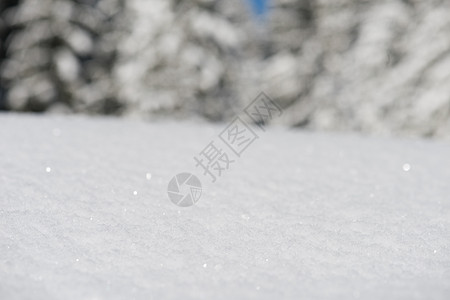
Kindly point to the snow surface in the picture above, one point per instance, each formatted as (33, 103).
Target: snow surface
(84, 214)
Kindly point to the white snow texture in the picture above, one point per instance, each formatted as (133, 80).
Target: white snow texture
(84, 214)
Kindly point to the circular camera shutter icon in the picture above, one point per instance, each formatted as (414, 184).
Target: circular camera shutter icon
(184, 189)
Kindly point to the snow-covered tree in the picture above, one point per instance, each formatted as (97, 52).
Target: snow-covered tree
(372, 66)
(60, 55)
(179, 57)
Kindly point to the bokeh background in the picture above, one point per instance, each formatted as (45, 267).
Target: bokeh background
(378, 67)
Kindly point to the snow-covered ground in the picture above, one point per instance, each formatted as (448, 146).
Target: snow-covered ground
(84, 214)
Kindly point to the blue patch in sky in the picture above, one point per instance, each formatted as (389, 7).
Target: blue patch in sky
(259, 7)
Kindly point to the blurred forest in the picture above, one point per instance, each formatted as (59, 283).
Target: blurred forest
(379, 67)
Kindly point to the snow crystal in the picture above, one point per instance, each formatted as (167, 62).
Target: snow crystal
(406, 167)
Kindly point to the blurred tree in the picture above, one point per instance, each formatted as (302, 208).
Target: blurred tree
(372, 66)
(5, 31)
(60, 55)
(179, 59)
